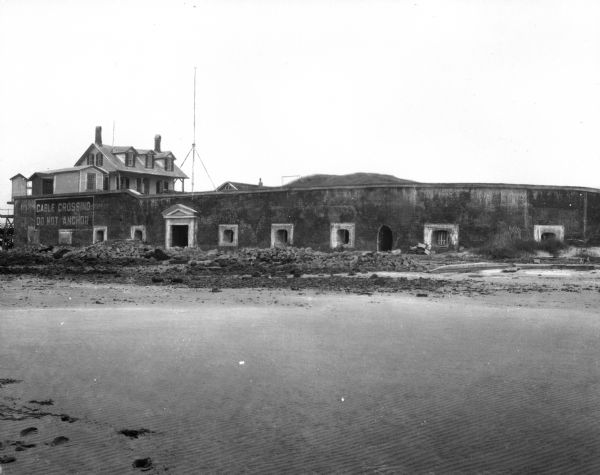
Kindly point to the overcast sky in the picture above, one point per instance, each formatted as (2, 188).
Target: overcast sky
(434, 91)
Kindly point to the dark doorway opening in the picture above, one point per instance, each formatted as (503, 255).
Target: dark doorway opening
(384, 239)
(179, 235)
(546, 236)
(47, 186)
(138, 235)
(99, 235)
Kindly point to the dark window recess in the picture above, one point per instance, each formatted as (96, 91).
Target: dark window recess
(228, 235)
(99, 160)
(281, 236)
(124, 183)
(138, 235)
(129, 159)
(138, 184)
(105, 183)
(149, 161)
(546, 236)
(99, 235)
(166, 186)
(47, 186)
(440, 238)
(146, 184)
(90, 159)
(343, 236)
(91, 182)
(159, 187)
(179, 235)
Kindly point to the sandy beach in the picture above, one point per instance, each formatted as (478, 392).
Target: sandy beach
(265, 381)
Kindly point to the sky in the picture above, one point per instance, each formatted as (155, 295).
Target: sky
(434, 91)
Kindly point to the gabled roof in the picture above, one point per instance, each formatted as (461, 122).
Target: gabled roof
(18, 175)
(179, 211)
(113, 163)
(237, 186)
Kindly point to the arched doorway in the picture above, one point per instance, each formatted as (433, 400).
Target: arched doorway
(385, 239)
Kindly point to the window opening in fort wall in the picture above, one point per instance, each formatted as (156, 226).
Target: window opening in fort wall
(228, 235)
(138, 233)
(342, 235)
(543, 232)
(100, 234)
(282, 235)
(441, 236)
(65, 236)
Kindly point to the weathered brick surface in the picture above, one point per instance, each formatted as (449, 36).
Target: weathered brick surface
(479, 210)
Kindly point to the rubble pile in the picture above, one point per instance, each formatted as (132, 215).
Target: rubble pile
(295, 260)
(250, 261)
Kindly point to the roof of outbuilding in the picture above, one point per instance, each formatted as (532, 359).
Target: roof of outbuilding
(238, 186)
(57, 171)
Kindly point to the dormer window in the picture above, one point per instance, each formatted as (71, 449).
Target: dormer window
(168, 164)
(150, 161)
(90, 159)
(99, 160)
(129, 159)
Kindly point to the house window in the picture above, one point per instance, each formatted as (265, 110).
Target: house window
(47, 186)
(138, 184)
(91, 182)
(166, 186)
(168, 164)
(90, 159)
(228, 235)
(124, 183)
(149, 161)
(105, 182)
(99, 160)
(159, 187)
(129, 160)
(282, 235)
(342, 235)
(100, 234)
(65, 236)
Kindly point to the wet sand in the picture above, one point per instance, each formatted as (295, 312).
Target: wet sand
(247, 380)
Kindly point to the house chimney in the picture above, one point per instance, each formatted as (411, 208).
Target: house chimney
(98, 140)
(157, 143)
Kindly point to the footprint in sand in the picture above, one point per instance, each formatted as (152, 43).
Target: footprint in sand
(20, 445)
(143, 464)
(135, 433)
(29, 431)
(58, 441)
(67, 418)
(7, 459)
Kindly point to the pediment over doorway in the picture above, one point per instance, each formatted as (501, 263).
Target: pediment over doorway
(179, 211)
